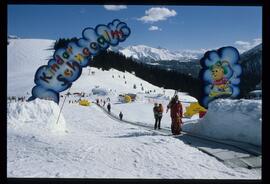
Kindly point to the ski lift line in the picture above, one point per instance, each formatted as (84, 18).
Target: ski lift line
(114, 117)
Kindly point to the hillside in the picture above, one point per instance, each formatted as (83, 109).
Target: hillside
(87, 143)
(28, 55)
(251, 62)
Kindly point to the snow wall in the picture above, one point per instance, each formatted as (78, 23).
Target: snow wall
(237, 120)
(37, 116)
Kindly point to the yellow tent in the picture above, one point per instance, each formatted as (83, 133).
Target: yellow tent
(127, 99)
(84, 103)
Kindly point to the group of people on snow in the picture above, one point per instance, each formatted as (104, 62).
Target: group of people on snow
(109, 111)
(109, 107)
(102, 102)
(16, 99)
(176, 115)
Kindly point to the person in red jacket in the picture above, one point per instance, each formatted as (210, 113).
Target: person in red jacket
(176, 115)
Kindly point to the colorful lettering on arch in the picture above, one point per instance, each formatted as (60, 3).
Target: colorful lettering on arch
(67, 63)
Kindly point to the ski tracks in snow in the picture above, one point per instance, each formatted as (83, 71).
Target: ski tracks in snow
(98, 147)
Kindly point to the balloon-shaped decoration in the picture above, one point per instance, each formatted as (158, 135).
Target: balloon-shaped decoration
(193, 108)
(127, 99)
(84, 102)
(67, 63)
(220, 74)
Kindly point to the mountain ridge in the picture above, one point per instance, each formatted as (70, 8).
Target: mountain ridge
(147, 54)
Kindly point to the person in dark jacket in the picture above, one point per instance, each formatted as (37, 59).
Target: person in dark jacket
(109, 107)
(155, 110)
(160, 113)
(121, 115)
(176, 115)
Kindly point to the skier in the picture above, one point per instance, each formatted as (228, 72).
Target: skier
(97, 100)
(155, 110)
(121, 115)
(109, 107)
(160, 113)
(176, 115)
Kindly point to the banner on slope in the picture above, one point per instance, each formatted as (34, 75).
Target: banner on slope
(67, 63)
(220, 74)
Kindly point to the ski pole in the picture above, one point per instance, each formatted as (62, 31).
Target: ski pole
(62, 106)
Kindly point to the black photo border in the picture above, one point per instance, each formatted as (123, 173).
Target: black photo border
(265, 92)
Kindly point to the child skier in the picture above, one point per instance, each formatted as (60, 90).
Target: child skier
(121, 115)
(109, 107)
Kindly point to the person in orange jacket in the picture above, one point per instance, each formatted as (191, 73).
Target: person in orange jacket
(176, 115)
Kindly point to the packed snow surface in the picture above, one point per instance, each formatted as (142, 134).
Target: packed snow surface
(87, 143)
(96, 146)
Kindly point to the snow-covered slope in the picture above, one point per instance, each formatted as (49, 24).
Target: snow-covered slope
(28, 54)
(89, 143)
(146, 53)
(95, 146)
(24, 57)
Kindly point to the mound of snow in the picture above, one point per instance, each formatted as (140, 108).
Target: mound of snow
(37, 116)
(238, 120)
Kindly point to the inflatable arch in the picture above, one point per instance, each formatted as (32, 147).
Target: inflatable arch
(67, 63)
(220, 74)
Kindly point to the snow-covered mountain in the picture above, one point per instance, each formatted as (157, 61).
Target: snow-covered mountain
(146, 53)
(253, 55)
(251, 62)
(13, 37)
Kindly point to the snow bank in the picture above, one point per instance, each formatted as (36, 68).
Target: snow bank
(238, 120)
(37, 116)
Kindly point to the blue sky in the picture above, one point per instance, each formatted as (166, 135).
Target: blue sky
(171, 27)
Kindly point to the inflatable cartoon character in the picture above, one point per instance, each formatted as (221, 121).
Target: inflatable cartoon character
(220, 84)
(194, 108)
